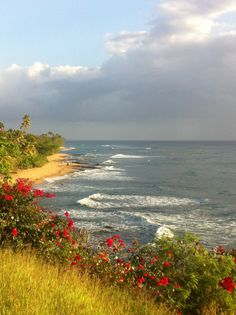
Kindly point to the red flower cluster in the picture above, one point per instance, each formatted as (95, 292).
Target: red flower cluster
(23, 186)
(110, 242)
(163, 282)
(38, 193)
(228, 284)
(141, 281)
(8, 197)
(166, 264)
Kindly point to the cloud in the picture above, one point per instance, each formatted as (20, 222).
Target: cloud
(174, 81)
(121, 43)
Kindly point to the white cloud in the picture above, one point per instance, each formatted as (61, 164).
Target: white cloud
(121, 43)
(176, 80)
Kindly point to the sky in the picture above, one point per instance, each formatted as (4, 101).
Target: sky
(142, 70)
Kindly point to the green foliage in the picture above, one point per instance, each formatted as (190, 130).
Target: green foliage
(179, 272)
(21, 150)
(23, 224)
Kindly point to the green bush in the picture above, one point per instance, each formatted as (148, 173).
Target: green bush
(179, 272)
(25, 224)
(21, 150)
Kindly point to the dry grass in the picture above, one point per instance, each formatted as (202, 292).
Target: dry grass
(30, 287)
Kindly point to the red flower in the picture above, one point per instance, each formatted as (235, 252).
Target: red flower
(166, 264)
(163, 281)
(6, 188)
(65, 233)
(57, 233)
(14, 232)
(153, 260)
(38, 193)
(70, 224)
(110, 242)
(121, 243)
(140, 267)
(67, 214)
(8, 197)
(53, 225)
(227, 284)
(77, 257)
(73, 263)
(119, 260)
(235, 260)
(140, 282)
(23, 186)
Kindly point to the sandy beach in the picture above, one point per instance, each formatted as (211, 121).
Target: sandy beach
(57, 166)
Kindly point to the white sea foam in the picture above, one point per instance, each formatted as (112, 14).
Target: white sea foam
(105, 173)
(102, 220)
(108, 162)
(125, 156)
(68, 148)
(164, 231)
(104, 201)
(56, 178)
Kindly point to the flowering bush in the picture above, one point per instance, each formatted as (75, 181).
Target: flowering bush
(179, 272)
(24, 223)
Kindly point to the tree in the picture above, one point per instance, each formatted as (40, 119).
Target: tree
(25, 123)
(2, 127)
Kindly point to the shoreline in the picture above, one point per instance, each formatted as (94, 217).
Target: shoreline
(57, 165)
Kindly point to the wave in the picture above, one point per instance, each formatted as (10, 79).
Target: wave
(102, 220)
(105, 201)
(125, 156)
(106, 173)
(108, 162)
(56, 178)
(68, 148)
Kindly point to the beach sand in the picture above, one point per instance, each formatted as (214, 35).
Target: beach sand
(57, 166)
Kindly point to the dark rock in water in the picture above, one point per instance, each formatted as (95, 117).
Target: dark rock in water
(108, 227)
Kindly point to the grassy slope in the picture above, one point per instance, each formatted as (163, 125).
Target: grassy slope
(30, 287)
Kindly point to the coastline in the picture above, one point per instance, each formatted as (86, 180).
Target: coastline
(57, 165)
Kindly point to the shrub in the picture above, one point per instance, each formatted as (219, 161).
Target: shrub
(25, 224)
(178, 272)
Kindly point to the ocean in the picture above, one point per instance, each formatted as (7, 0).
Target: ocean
(137, 187)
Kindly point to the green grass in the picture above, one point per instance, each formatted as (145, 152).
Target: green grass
(31, 287)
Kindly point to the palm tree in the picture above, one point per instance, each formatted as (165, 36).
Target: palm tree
(2, 127)
(25, 123)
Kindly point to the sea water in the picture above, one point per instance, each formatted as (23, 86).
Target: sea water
(137, 187)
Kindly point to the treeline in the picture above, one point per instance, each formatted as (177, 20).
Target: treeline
(20, 149)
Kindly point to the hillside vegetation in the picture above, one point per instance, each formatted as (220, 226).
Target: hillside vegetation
(36, 288)
(179, 273)
(20, 149)
(49, 266)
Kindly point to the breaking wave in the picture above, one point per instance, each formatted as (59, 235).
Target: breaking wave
(105, 201)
